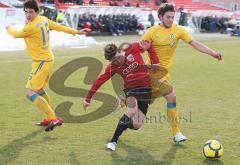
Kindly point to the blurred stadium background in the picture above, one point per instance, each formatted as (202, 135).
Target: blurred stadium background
(208, 91)
(122, 17)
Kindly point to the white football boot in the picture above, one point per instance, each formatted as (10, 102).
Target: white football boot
(179, 137)
(111, 146)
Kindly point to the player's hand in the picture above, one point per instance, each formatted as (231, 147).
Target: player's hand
(84, 31)
(85, 105)
(217, 55)
(155, 67)
(145, 45)
(7, 27)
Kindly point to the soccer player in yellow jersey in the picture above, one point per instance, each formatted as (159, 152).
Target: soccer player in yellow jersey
(36, 36)
(164, 38)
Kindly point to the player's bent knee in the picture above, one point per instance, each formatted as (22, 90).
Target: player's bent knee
(132, 112)
(171, 97)
(137, 126)
(131, 102)
(31, 95)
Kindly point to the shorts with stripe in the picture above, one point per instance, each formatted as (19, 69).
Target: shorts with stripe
(143, 96)
(39, 75)
(160, 82)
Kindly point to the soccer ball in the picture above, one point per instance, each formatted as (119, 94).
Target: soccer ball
(212, 149)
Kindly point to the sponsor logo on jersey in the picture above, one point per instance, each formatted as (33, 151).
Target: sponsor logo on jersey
(171, 36)
(130, 58)
(130, 68)
(172, 44)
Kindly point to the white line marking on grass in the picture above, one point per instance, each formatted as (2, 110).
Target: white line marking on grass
(29, 60)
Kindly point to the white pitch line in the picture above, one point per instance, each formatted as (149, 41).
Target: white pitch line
(14, 61)
(29, 60)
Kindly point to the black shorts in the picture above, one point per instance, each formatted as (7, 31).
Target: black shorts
(143, 96)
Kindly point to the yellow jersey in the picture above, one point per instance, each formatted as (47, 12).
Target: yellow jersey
(36, 36)
(164, 42)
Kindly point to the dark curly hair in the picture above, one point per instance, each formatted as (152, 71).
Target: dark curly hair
(31, 4)
(110, 51)
(165, 8)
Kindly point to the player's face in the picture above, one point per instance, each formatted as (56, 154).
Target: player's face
(30, 14)
(167, 19)
(118, 59)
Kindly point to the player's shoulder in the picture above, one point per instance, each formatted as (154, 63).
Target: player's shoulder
(135, 44)
(109, 67)
(43, 17)
(178, 27)
(153, 28)
(134, 47)
(39, 21)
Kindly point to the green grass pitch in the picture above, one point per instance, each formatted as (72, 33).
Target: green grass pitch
(207, 96)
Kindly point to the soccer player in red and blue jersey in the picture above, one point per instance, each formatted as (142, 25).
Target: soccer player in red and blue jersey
(129, 64)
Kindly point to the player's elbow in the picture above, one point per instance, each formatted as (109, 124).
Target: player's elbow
(192, 43)
(16, 36)
(195, 44)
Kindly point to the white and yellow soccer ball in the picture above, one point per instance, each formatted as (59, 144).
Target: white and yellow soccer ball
(212, 149)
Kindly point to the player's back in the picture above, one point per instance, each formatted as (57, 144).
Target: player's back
(38, 41)
(134, 71)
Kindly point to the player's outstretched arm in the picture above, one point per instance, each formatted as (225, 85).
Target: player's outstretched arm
(61, 28)
(18, 33)
(96, 85)
(204, 49)
(85, 105)
(147, 45)
(84, 31)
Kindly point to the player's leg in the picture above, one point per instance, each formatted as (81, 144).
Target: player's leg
(159, 84)
(172, 114)
(37, 81)
(124, 122)
(44, 94)
(137, 102)
(42, 104)
(161, 87)
(144, 100)
(138, 120)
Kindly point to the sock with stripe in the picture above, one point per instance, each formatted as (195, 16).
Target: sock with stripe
(43, 105)
(173, 117)
(45, 96)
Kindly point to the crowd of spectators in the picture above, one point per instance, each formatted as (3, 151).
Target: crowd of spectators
(118, 24)
(127, 3)
(210, 24)
(78, 2)
(214, 24)
(111, 23)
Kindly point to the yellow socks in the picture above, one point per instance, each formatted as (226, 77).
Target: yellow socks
(173, 117)
(43, 105)
(45, 96)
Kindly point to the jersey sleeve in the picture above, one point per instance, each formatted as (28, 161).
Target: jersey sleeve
(136, 47)
(99, 81)
(26, 31)
(152, 56)
(185, 36)
(55, 26)
(151, 53)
